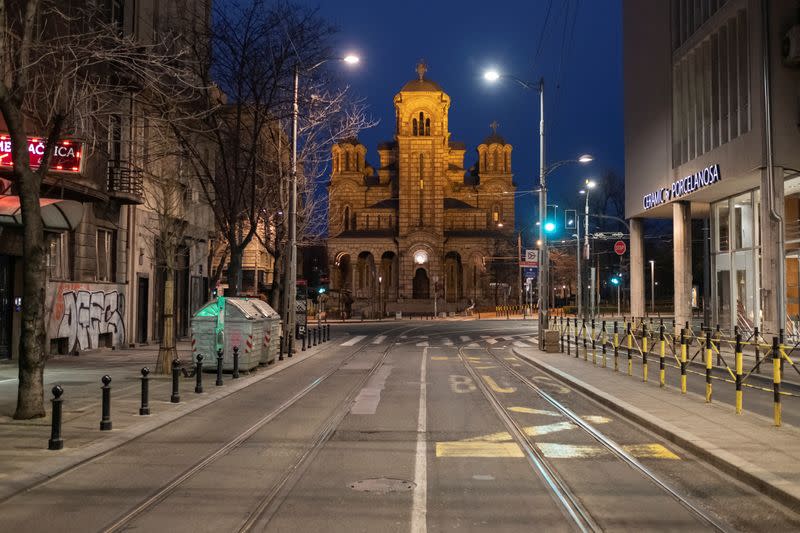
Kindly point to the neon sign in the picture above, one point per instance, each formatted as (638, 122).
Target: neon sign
(66, 154)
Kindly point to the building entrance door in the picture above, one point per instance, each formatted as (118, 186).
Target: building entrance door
(422, 285)
(143, 292)
(6, 304)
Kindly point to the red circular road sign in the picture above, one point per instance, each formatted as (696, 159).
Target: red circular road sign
(619, 247)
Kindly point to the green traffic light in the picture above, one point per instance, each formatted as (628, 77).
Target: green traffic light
(549, 227)
(615, 281)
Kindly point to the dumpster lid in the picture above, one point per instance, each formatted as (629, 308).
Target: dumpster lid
(265, 309)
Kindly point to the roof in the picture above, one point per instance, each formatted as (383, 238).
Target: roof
(365, 234)
(388, 203)
(454, 203)
(457, 145)
(494, 138)
(350, 140)
(387, 145)
(422, 86)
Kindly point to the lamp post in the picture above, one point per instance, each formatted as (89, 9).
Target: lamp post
(588, 185)
(652, 286)
(543, 278)
(290, 283)
(380, 297)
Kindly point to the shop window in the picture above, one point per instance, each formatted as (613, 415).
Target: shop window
(743, 221)
(722, 224)
(106, 258)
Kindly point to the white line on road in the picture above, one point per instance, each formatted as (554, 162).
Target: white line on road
(357, 338)
(419, 508)
(520, 344)
(491, 341)
(423, 343)
(465, 338)
(447, 342)
(379, 339)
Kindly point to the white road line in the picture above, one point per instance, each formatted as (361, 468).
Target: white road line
(357, 338)
(447, 342)
(423, 343)
(491, 341)
(379, 339)
(465, 338)
(419, 507)
(520, 344)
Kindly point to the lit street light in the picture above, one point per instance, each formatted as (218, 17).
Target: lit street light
(494, 75)
(290, 285)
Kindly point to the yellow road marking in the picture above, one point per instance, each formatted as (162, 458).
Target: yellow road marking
(478, 449)
(439, 358)
(650, 451)
(597, 419)
(497, 388)
(485, 367)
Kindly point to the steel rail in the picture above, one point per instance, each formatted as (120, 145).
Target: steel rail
(232, 444)
(270, 503)
(561, 493)
(609, 444)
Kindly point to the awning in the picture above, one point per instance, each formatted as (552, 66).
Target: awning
(57, 215)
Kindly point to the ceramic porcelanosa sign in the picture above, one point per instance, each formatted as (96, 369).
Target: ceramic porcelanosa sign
(682, 187)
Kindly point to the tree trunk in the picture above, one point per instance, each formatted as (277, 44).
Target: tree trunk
(166, 350)
(276, 297)
(235, 271)
(30, 394)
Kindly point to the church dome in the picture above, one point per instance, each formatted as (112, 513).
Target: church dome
(421, 84)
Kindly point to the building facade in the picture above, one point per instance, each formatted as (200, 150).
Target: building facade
(104, 283)
(420, 226)
(711, 133)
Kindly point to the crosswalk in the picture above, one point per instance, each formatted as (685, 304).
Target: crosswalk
(423, 341)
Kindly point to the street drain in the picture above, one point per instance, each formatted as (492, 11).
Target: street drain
(383, 485)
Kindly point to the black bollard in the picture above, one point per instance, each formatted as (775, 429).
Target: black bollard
(303, 349)
(316, 334)
(219, 368)
(280, 349)
(105, 421)
(198, 374)
(176, 381)
(56, 442)
(145, 408)
(235, 362)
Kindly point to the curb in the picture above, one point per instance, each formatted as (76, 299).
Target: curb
(775, 487)
(65, 460)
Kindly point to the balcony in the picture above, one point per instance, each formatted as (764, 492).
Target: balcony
(125, 182)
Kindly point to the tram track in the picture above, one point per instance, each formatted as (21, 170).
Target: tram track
(321, 437)
(562, 493)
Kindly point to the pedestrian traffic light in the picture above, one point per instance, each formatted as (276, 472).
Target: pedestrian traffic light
(549, 227)
(570, 218)
(615, 281)
(321, 290)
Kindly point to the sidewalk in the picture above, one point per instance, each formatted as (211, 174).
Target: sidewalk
(747, 446)
(24, 457)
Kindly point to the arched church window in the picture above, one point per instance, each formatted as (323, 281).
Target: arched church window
(485, 161)
(414, 127)
(495, 214)
(347, 160)
(428, 127)
(507, 163)
(346, 218)
(495, 165)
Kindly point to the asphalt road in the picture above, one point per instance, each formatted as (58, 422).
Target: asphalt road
(398, 426)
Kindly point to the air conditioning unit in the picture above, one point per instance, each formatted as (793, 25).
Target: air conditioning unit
(790, 48)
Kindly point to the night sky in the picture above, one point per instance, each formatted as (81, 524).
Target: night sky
(580, 58)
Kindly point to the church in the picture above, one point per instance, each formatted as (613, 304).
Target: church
(421, 230)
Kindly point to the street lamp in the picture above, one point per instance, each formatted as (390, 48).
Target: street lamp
(493, 75)
(291, 272)
(380, 296)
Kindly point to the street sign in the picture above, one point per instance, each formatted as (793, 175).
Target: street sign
(620, 248)
(529, 272)
(529, 264)
(532, 256)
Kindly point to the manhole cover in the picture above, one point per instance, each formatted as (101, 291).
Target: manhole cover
(382, 485)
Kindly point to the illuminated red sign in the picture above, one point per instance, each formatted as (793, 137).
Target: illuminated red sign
(66, 154)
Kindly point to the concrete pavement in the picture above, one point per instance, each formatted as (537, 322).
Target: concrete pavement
(388, 428)
(746, 446)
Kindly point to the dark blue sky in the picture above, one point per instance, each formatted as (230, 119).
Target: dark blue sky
(458, 39)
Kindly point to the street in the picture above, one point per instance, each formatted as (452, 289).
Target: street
(397, 426)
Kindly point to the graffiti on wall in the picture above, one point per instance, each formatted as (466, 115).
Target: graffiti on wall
(85, 314)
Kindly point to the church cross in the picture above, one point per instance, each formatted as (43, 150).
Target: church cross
(494, 125)
(422, 68)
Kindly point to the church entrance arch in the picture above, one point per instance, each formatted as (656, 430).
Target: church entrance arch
(454, 277)
(422, 285)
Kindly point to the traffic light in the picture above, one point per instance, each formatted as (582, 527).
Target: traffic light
(549, 227)
(570, 218)
(615, 281)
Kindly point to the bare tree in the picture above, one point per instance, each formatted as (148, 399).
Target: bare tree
(64, 67)
(250, 52)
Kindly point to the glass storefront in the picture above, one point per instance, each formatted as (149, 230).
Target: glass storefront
(792, 260)
(736, 251)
